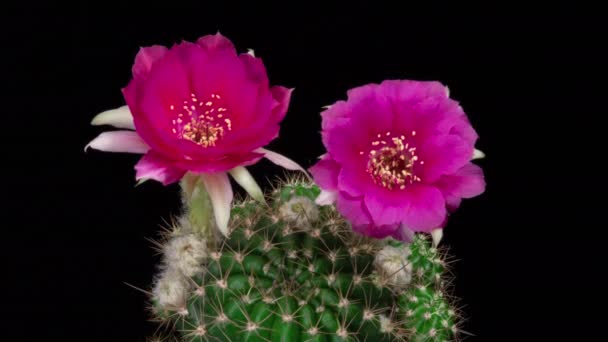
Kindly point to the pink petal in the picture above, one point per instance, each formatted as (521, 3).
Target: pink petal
(282, 95)
(425, 208)
(345, 142)
(431, 116)
(335, 113)
(356, 181)
(370, 111)
(403, 233)
(119, 141)
(387, 207)
(153, 166)
(410, 91)
(467, 182)
(352, 209)
(145, 59)
(216, 43)
(219, 165)
(385, 210)
(464, 129)
(255, 68)
(443, 155)
(325, 173)
(220, 192)
(379, 232)
(281, 160)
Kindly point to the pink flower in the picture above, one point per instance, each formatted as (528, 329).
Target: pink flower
(199, 108)
(398, 158)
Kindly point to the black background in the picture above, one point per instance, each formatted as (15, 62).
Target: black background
(528, 76)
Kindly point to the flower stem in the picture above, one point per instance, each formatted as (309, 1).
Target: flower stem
(197, 205)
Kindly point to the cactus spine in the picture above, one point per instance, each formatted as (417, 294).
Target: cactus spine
(292, 271)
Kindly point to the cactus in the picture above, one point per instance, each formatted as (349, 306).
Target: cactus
(427, 314)
(293, 271)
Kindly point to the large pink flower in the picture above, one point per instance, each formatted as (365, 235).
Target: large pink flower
(398, 158)
(200, 108)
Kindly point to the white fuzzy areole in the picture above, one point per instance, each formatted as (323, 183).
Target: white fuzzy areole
(171, 289)
(186, 254)
(393, 264)
(300, 210)
(386, 326)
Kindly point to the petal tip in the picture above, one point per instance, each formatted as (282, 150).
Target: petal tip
(120, 117)
(437, 235)
(478, 154)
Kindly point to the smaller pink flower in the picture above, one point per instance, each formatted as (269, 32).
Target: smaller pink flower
(199, 108)
(398, 158)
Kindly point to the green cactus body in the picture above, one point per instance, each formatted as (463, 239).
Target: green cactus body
(428, 315)
(292, 271)
(427, 265)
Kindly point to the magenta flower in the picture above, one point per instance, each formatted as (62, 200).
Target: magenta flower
(199, 108)
(398, 158)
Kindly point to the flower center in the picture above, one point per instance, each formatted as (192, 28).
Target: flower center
(202, 121)
(391, 161)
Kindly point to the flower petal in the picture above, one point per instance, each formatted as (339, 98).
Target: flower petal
(153, 166)
(443, 155)
(216, 43)
(478, 154)
(382, 210)
(425, 210)
(244, 178)
(119, 141)
(403, 233)
(120, 117)
(146, 57)
(282, 161)
(221, 164)
(282, 95)
(255, 68)
(220, 192)
(325, 172)
(467, 182)
(437, 234)
(379, 232)
(353, 209)
(326, 197)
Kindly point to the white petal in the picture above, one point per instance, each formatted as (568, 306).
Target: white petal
(251, 52)
(282, 161)
(437, 234)
(120, 117)
(220, 192)
(188, 184)
(244, 178)
(477, 154)
(326, 197)
(119, 141)
(326, 107)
